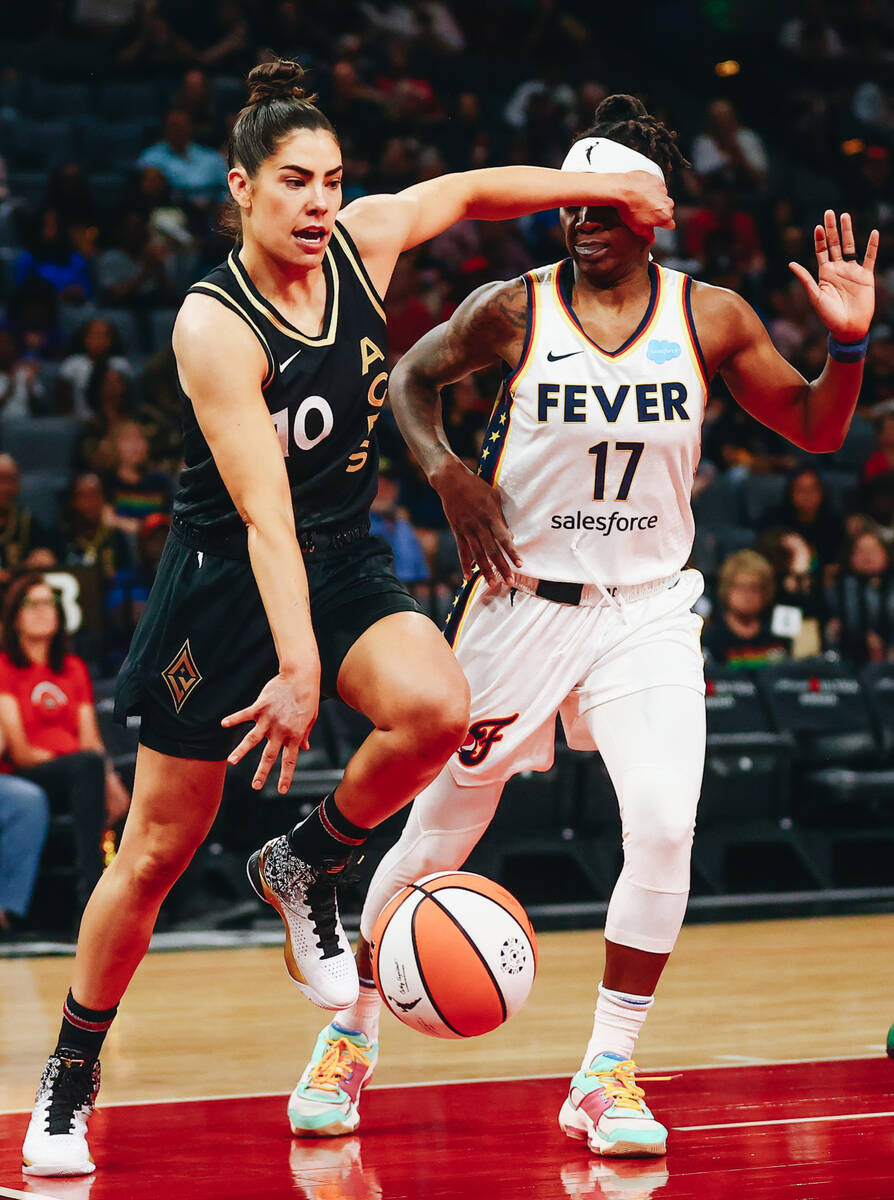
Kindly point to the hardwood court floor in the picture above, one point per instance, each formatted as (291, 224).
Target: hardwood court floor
(229, 1024)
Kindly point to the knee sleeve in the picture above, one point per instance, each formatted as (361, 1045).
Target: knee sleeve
(648, 903)
(444, 825)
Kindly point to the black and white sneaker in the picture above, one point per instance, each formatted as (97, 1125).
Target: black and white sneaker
(317, 952)
(56, 1141)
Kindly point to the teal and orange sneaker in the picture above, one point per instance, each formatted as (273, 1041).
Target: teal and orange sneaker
(606, 1107)
(325, 1102)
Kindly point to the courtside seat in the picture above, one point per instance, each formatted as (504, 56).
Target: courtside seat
(826, 710)
(534, 845)
(878, 681)
(745, 838)
(843, 790)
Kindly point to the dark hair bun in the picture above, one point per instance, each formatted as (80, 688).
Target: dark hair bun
(277, 80)
(619, 108)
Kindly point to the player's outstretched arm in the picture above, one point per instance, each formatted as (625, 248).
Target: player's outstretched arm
(814, 416)
(221, 367)
(384, 226)
(488, 326)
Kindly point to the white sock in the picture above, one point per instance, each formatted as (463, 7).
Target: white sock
(362, 1017)
(618, 1020)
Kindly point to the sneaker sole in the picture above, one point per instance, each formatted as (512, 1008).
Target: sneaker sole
(259, 886)
(337, 1128)
(61, 1172)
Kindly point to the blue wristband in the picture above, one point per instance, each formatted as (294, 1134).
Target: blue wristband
(848, 352)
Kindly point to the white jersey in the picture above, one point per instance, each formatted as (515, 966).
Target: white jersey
(595, 451)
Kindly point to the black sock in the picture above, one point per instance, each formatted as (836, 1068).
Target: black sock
(326, 836)
(83, 1029)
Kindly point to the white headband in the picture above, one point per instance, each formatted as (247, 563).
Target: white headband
(608, 158)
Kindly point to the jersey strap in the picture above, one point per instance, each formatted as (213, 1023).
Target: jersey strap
(218, 293)
(263, 308)
(344, 241)
(563, 283)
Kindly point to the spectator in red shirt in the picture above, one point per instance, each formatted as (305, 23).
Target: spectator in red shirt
(49, 722)
(882, 459)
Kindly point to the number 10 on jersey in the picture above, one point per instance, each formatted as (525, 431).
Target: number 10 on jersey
(634, 449)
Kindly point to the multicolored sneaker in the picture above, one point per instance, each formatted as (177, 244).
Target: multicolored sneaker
(326, 1100)
(606, 1107)
(317, 952)
(56, 1141)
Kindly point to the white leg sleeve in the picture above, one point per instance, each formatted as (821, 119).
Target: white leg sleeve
(653, 745)
(443, 827)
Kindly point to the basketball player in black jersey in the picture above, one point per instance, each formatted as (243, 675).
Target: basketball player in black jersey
(270, 589)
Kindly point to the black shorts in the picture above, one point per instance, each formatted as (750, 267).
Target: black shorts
(203, 647)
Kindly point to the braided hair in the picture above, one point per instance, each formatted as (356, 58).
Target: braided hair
(624, 119)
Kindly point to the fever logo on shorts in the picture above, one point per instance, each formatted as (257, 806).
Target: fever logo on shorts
(182, 676)
(481, 737)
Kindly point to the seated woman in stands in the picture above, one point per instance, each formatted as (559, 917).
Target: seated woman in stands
(861, 602)
(740, 632)
(49, 723)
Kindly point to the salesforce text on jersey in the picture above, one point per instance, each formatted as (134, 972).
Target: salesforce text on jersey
(615, 522)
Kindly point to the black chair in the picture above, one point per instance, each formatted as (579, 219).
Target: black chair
(878, 682)
(843, 790)
(745, 838)
(534, 845)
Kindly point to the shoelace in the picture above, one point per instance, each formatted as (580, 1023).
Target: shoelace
(336, 1064)
(321, 903)
(619, 1084)
(71, 1090)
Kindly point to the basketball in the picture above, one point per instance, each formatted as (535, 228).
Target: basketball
(453, 955)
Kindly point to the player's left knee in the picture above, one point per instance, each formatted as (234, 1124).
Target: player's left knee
(659, 814)
(440, 721)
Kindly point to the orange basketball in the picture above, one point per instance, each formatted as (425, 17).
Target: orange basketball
(453, 955)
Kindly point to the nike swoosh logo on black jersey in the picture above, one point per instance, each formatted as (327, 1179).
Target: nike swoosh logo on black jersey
(555, 357)
(282, 366)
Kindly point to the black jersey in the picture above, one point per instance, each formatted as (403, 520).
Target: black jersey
(323, 393)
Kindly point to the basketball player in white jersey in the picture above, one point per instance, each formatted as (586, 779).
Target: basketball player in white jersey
(573, 538)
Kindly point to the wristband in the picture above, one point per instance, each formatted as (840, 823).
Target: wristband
(848, 352)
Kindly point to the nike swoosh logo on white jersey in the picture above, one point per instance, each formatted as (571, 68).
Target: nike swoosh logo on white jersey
(282, 366)
(555, 357)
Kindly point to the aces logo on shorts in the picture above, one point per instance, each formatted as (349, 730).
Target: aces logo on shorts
(182, 676)
(480, 738)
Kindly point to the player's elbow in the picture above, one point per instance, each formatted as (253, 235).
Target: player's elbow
(824, 441)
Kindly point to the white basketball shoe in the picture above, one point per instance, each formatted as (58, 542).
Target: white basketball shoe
(317, 952)
(56, 1141)
(606, 1107)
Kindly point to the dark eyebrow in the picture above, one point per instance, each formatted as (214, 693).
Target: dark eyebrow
(309, 174)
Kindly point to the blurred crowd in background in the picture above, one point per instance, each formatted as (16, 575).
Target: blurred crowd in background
(114, 119)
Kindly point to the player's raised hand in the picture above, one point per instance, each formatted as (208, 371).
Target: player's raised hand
(475, 514)
(844, 294)
(645, 204)
(284, 713)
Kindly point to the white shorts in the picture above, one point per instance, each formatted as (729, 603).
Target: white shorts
(527, 658)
